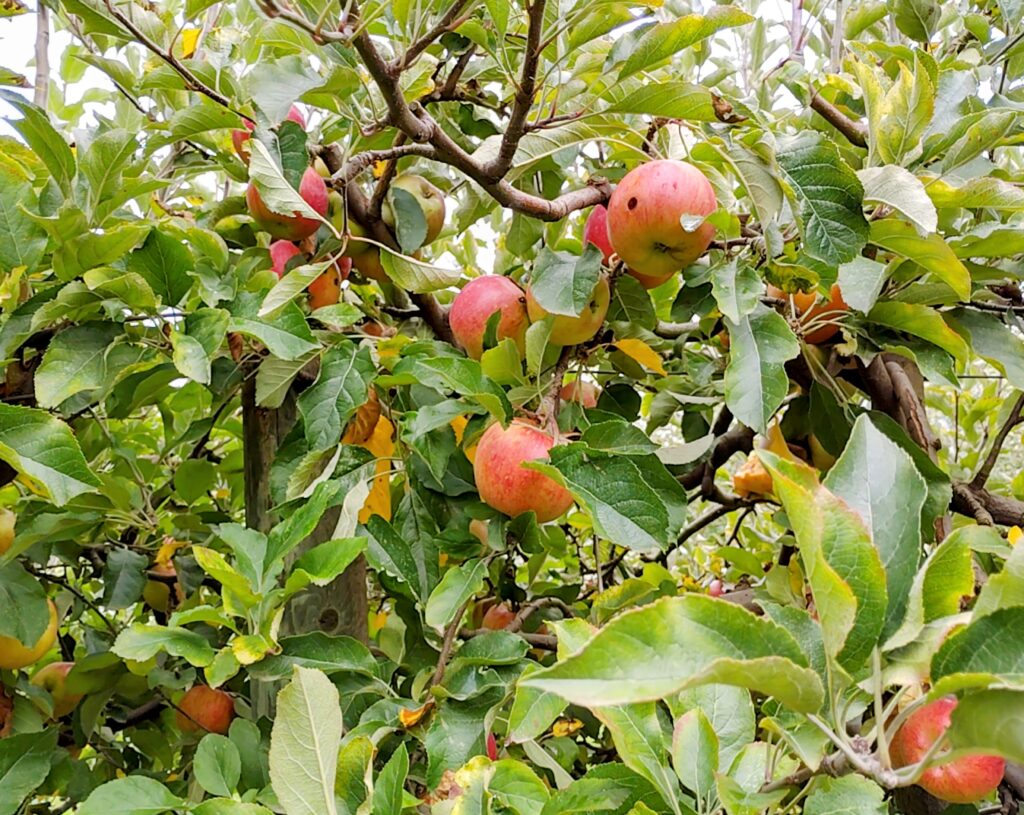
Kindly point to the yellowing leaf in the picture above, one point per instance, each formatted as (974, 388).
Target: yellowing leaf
(458, 424)
(189, 41)
(1014, 535)
(565, 727)
(641, 352)
(382, 445)
(378, 168)
(167, 550)
(411, 718)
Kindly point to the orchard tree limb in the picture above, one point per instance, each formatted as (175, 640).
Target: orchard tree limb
(855, 132)
(380, 190)
(41, 91)
(547, 411)
(446, 23)
(540, 602)
(739, 439)
(1011, 422)
(546, 641)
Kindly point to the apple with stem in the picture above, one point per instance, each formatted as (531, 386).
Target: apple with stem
(507, 486)
(961, 781)
(656, 219)
(479, 299)
(808, 309)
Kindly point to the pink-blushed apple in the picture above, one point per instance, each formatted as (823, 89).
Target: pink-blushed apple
(205, 710)
(567, 330)
(578, 390)
(509, 487)
(595, 231)
(654, 219)
(962, 781)
(498, 617)
(479, 299)
(430, 199)
(293, 227)
(240, 138)
(280, 253)
(52, 679)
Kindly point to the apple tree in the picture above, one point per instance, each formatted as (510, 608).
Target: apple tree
(515, 407)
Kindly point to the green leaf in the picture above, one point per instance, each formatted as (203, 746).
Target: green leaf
(217, 765)
(275, 190)
(636, 733)
(190, 357)
(755, 380)
(533, 710)
(316, 650)
(286, 334)
(861, 281)
(216, 565)
(633, 500)
(410, 222)
(91, 250)
(917, 19)
(880, 482)
(291, 286)
(736, 288)
(141, 642)
(24, 612)
(24, 764)
(134, 795)
(392, 553)
(990, 648)
(991, 722)
(695, 753)
(991, 339)
(672, 99)
(276, 84)
(24, 240)
(899, 119)
(102, 164)
(844, 570)
(274, 378)
(663, 40)
(456, 587)
(388, 787)
(354, 763)
(902, 191)
(930, 252)
(415, 275)
(459, 374)
(457, 734)
(75, 361)
(730, 712)
(976, 193)
(586, 796)
(1004, 589)
(322, 564)
(563, 283)
(45, 453)
(164, 262)
(830, 197)
(35, 128)
(923, 322)
(651, 652)
(304, 744)
(124, 577)
(842, 796)
(341, 388)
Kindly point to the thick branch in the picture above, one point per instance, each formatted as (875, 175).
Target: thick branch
(424, 42)
(997, 443)
(855, 132)
(523, 100)
(42, 79)
(739, 439)
(363, 161)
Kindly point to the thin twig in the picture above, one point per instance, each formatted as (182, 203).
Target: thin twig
(424, 42)
(997, 443)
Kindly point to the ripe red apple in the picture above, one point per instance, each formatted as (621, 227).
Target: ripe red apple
(280, 253)
(205, 710)
(474, 305)
(595, 231)
(7, 520)
(430, 199)
(566, 330)
(498, 617)
(293, 227)
(14, 655)
(507, 486)
(646, 216)
(585, 393)
(51, 678)
(715, 588)
(962, 781)
(808, 308)
(240, 138)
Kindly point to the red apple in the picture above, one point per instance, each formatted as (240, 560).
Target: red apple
(51, 678)
(240, 138)
(498, 617)
(507, 486)
(646, 217)
(962, 781)
(280, 253)
(474, 305)
(595, 231)
(566, 330)
(585, 393)
(808, 308)
(296, 226)
(715, 588)
(205, 710)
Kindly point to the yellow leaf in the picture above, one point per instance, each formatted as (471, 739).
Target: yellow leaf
(1014, 535)
(167, 550)
(377, 621)
(459, 426)
(641, 352)
(189, 41)
(381, 444)
(565, 727)
(411, 718)
(378, 168)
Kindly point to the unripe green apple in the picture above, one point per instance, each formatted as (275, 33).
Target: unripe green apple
(52, 678)
(479, 299)
(567, 330)
(648, 217)
(7, 521)
(430, 199)
(205, 710)
(507, 486)
(963, 781)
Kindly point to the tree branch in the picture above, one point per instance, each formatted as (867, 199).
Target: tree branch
(855, 132)
(42, 79)
(384, 182)
(997, 443)
(523, 101)
(739, 439)
(424, 42)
